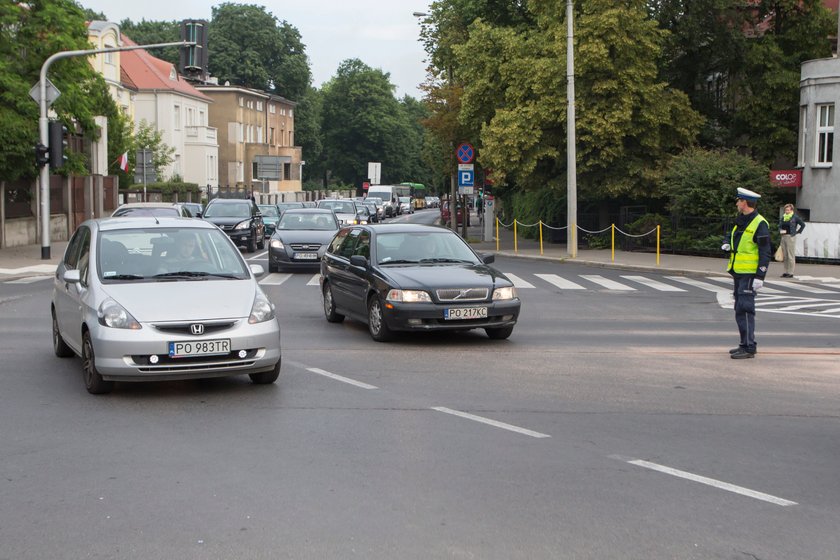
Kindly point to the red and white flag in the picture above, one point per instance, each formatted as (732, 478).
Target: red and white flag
(124, 162)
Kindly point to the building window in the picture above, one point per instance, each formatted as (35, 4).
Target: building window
(240, 132)
(259, 105)
(260, 135)
(202, 118)
(240, 172)
(241, 101)
(190, 116)
(825, 134)
(176, 116)
(109, 56)
(271, 108)
(803, 134)
(290, 113)
(176, 168)
(271, 135)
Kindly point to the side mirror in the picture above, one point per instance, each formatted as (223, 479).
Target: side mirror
(72, 276)
(488, 258)
(257, 269)
(358, 260)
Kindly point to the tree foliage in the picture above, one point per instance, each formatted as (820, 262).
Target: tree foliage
(152, 32)
(29, 33)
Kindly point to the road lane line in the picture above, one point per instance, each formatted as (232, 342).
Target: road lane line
(275, 279)
(653, 284)
(343, 379)
(517, 281)
(28, 280)
(560, 282)
(712, 482)
(315, 280)
(801, 287)
(487, 421)
(607, 283)
(699, 284)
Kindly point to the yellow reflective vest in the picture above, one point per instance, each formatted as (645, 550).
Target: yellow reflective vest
(744, 258)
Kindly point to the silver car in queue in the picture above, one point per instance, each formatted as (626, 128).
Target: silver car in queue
(150, 299)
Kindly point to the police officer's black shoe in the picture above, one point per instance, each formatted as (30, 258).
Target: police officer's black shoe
(741, 354)
(736, 350)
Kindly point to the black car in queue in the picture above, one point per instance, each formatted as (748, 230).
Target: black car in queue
(411, 277)
(240, 219)
(300, 238)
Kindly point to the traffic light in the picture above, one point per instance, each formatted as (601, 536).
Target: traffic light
(41, 155)
(58, 144)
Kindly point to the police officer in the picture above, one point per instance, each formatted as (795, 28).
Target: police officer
(749, 255)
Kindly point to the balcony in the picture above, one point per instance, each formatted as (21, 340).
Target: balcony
(200, 134)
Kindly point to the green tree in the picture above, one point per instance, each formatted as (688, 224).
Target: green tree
(250, 47)
(308, 133)
(148, 137)
(363, 122)
(30, 32)
(151, 32)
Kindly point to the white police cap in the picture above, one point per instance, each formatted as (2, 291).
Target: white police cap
(747, 194)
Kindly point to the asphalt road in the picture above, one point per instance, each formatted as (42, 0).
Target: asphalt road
(612, 424)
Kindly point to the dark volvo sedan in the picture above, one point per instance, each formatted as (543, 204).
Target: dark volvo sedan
(409, 277)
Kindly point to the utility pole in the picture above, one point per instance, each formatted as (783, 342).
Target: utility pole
(44, 178)
(571, 153)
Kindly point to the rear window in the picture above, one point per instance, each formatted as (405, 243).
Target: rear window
(228, 210)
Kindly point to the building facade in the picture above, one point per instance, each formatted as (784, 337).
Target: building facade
(171, 104)
(253, 124)
(103, 35)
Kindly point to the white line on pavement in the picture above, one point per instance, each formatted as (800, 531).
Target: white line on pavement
(275, 279)
(258, 256)
(28, 280)
(607, 283)
(517, 281)
(315, 280)
(341, 378)
(764, 289)
(494, 423)
(699, 284)
(560, 282)
(710, 482)
(802, 287)
(653, 284)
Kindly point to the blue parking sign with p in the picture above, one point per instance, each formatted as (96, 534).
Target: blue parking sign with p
(466, 178)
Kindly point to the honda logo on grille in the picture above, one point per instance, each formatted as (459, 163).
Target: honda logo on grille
(197, 328)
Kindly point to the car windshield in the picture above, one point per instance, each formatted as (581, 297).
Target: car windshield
(269, 211)
(303, 220)
(338, 206)
(427, 247)
(164, 254)
(138, 211)
(228, 210)
(404, 199)
(287, 205)
(374, 200)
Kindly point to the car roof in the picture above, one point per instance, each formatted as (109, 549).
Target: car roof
(229, 200)
(149, 222)
(405, 228)
(308, 211)
(148, 205)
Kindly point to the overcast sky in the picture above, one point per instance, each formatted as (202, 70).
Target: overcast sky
(381, 33)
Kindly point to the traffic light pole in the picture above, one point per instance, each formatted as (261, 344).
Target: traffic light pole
(44, 178)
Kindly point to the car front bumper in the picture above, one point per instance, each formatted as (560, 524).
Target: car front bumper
(430, 316)
(126, 355)
(281, 257)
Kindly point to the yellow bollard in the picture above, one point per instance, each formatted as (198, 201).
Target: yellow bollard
(515, 245)
(541, 245)
(657, 244)
(612, 243)
(497, 234)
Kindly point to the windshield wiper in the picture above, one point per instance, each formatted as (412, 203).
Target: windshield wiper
(445, 260)
(124, 277)
(193, 274)
(398, 261)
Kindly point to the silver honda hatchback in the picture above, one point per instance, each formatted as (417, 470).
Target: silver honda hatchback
(149, 299)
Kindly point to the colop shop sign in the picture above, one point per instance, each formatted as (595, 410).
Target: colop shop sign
(786, 177)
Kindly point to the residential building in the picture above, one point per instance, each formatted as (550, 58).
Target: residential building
(253, 124)
(179, 111)
(103, 35)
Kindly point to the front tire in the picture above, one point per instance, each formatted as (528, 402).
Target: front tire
(329, 306)
(94, 383)
(266, 377)
(379, 330)
(59, 346)
(499, 333)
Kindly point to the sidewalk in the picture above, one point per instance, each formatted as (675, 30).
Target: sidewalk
(25, 261)
(638, 261)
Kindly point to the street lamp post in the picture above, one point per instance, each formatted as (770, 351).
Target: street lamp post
(571, 153)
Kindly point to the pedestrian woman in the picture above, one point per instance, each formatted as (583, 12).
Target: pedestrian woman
(790, 225)
(749, 255)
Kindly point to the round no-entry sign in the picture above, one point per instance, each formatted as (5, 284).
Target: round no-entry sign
(465, 153)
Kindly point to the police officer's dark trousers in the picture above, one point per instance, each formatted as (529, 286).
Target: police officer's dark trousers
(745, 310)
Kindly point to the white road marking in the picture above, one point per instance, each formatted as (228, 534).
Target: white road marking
(489, 422)
(765, 289)
(517, 281)
(802, 287)
(826, 279)
(607, 283)
(275, 279)
(560, 282)
(50, 268)
(699, 284)
(653, 284)
(315, 280)
(258, 256)
(341, 378)
(28, 280)
(711, 482)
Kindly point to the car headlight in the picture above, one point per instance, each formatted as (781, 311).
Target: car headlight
(243, 225)
(262, 310)
(508, 292)
(276, 244)
(409, 296)
(112, 314)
